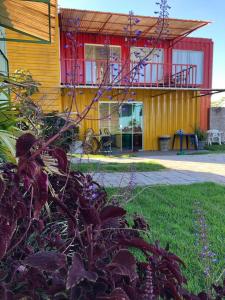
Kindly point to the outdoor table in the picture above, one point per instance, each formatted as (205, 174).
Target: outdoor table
(186, 136)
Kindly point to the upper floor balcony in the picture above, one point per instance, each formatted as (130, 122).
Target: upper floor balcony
(84, 72)
(88, 52)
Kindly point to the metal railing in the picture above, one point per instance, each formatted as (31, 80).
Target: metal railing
(118, 73)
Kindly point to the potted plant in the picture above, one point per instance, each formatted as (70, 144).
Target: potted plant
(202, 137)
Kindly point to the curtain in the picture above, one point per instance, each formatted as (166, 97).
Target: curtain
(189, 57)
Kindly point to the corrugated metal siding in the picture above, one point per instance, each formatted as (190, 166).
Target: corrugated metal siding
(200, 44)
(43, 62)
(163, 114)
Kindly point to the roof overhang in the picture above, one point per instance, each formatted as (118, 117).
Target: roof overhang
(34, 19)
(114, 23)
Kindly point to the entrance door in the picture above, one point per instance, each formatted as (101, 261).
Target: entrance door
(125, 124)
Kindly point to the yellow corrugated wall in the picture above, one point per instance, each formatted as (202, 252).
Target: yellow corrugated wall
(42, 60)
(164, 112)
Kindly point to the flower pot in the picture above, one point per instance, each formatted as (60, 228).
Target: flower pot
(201, 145)
(164, 142)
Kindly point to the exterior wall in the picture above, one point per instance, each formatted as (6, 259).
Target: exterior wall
(199, 44)
(217, 119)
(205, 45)
(164, 112)
(42, 60)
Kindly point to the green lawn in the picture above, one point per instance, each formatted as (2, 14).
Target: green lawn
(105, 156)
(170, 213)
(215, 148)
(116, 167)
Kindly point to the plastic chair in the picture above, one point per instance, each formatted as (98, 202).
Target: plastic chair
(214, 136)
(106, 140)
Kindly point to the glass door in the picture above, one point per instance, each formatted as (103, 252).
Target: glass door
(137, 126)
(126, 125)
(109, 115)
(124, 122)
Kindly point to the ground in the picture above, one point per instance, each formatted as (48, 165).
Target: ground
(170, 212)
(180, 169)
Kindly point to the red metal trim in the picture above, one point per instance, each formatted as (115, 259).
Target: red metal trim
(176, 40)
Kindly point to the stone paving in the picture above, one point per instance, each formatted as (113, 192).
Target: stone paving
(181, 169)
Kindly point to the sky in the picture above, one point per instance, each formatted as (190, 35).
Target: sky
(208, 10)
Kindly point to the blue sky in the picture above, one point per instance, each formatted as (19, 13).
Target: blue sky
(209, 10)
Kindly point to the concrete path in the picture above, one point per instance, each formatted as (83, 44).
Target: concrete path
(185, 169)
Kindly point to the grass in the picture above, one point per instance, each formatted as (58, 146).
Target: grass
(170, 213)
(216, 148)
(116, 167)
(96, 156)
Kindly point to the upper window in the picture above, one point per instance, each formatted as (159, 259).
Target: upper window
(102, 52)
(3, 59)
(151, 55)
(189, 57)
(102, 63)
(152, 72)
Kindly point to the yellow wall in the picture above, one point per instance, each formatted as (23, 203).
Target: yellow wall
(42, 61)
(164, 112)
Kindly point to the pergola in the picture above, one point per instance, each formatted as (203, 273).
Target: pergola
(34, 19)
(114, 23)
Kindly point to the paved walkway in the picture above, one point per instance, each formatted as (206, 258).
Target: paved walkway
(185, 169)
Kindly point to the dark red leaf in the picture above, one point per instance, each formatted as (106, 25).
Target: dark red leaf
(77, 273)
(111, 211)
(46, 261)
(90, 215)
(6, 232)
(140, 244)
(5, 294)
(40, 192)
(117, 294)
(124, 264)
(60, 155)
(2, 188)
(24, 144)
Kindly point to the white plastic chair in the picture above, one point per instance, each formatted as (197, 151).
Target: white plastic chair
(214, 136)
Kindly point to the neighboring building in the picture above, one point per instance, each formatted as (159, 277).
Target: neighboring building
(165, 92)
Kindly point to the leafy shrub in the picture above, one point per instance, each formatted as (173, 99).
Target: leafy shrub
(201, 134)
(62, 239)
(52, 124)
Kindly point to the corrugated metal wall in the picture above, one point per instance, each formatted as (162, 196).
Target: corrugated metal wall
(42, 60)
(164, 112)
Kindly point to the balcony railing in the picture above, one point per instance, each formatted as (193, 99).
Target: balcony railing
(117, 73)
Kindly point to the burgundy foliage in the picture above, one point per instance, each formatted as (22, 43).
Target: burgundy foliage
(61, 239)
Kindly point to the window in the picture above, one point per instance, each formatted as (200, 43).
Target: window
(153, 71)
(3, 60)
(189, 57)
(102, 63)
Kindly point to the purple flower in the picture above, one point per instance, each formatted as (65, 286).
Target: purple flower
(138, 32)
(136, 20)
(99, 92)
